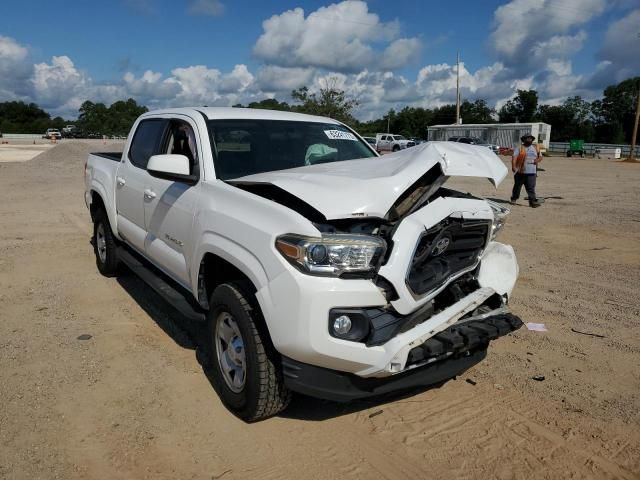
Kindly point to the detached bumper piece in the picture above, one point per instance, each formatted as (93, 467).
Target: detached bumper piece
(463, 337)
(440, 358)
(343, 387)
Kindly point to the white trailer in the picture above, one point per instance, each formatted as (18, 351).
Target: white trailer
(502, 134)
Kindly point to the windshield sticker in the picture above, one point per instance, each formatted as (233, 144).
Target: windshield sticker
(340, 135)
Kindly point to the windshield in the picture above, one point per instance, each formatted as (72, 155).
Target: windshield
(398, 137)
(245, 147)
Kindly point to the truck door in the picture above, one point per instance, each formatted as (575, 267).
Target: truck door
(170, 205)
(382, 143)
(131, 177)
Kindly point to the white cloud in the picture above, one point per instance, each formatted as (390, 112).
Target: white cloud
(350, 47)
(338, 37)
(274, 79)
(237, 80)
(59, 84)
(401, 52)
(541, 27)
(622, 46)
(557, 46)
(150, 88)
(15, 70)
(206, 7)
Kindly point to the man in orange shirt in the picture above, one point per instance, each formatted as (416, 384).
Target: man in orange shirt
(524, 165)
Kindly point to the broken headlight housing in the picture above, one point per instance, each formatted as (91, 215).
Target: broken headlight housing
(333, 255)
(500, 214)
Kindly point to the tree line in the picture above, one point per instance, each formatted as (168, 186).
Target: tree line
(93, 118)
(607, 120)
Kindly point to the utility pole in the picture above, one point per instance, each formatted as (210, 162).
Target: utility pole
(458, 89)
(632, 152)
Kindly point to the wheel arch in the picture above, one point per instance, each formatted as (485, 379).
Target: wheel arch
(215, 270)
(98, 202)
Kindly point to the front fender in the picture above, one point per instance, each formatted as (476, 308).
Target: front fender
(232, 252)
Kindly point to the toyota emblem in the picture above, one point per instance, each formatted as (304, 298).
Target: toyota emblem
(441, 246)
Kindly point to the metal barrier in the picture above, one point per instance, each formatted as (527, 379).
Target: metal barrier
(22, 136)
(590, 148)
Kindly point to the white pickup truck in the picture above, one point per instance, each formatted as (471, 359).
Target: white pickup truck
(386, 142)
(318, 266)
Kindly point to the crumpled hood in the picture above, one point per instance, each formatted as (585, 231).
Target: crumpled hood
(369, 187)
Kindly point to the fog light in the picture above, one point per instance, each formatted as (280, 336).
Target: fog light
(342, 325)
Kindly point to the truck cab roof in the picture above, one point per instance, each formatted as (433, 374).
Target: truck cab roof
(234, 113)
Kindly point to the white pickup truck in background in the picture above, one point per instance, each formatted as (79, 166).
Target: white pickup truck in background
(386, 142)
(318, 266)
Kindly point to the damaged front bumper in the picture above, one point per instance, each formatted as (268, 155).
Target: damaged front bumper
(301, 332)
(445, 355)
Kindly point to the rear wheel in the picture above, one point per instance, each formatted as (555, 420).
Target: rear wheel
(245, 367)
(104, 245)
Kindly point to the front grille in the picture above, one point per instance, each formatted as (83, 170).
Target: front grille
(445, 250)
(411, 144)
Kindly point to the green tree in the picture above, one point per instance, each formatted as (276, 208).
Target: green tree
(521, 108)
(21, 117)
(476, 112)
(444, 115)
(616, 112)
(329, 102)
(270, 104)
(572, 119)
(117, 119)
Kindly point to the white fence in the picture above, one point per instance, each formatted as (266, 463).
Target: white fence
(21, 136)
(590, 148)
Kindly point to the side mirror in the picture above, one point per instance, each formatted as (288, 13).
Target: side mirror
(171, 167)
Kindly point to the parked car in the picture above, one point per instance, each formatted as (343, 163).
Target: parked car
(494, 148)
(386, 142)
(316, 265)
(71, 131)
(52, 133)
(370, 140)
(475, 141)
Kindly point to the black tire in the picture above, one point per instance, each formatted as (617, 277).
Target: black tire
(263, 393)
(396, 148)
(107, 259)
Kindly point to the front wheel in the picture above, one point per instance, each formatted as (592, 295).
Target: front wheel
(244, 365)
(396, 148)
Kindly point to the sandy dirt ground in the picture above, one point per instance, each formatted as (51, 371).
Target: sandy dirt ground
(21, 152)
(132, 401)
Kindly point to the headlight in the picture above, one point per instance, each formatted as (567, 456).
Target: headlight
(499, 217)
(333, 254)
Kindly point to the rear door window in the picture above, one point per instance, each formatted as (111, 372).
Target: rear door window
(147, 141)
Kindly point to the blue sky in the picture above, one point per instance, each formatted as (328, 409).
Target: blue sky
(386, 54)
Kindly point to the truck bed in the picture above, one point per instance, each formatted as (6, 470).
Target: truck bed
(115, 156)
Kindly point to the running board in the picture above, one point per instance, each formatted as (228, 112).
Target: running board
(173, 294)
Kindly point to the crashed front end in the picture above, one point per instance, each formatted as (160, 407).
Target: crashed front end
(434, 297)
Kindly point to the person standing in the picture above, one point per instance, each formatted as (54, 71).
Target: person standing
(524, 165)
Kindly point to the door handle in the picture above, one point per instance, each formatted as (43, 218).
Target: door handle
(120, 181)
(149, 194)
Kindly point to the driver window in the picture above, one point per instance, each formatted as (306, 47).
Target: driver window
(181, 140)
